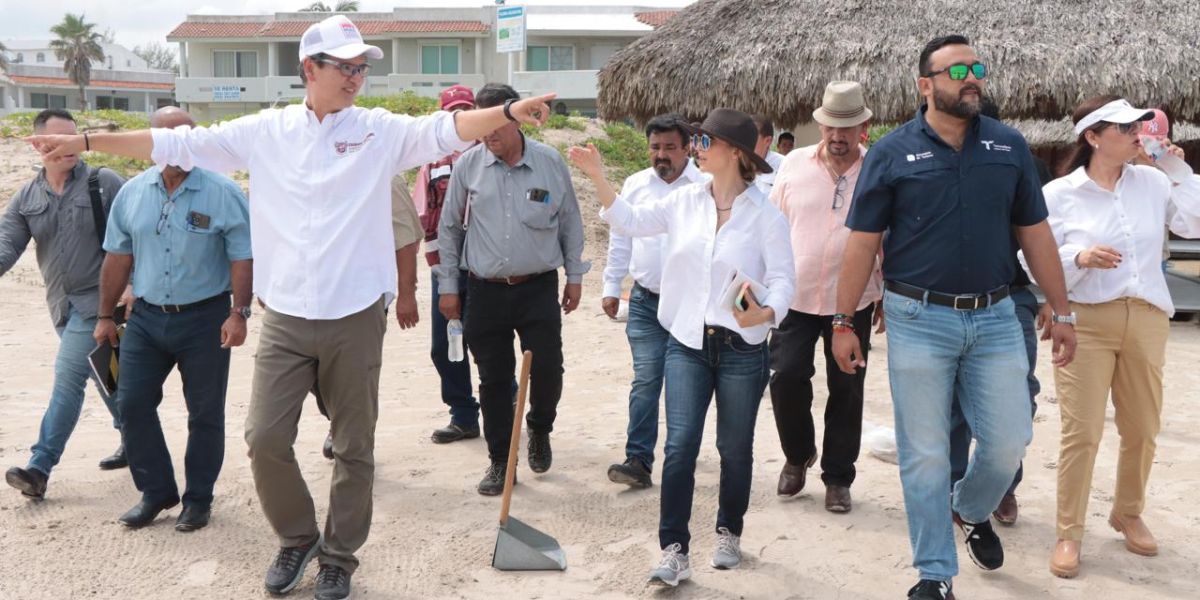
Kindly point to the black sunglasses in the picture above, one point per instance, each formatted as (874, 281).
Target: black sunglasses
(959, 71)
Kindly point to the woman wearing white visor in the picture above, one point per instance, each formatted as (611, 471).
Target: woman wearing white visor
(1108, 216)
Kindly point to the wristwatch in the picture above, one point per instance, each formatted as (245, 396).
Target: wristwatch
(244, 311)
(1066, 319)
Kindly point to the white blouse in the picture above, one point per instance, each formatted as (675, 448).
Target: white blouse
(699, 261)
(1129, 219)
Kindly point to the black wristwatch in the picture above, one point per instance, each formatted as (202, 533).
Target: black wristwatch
(507, 106)
(243, 311)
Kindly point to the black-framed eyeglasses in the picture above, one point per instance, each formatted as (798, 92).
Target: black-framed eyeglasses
(347, 69)
(701, 141)
(167, 208)
(959, 71)
(839, 192)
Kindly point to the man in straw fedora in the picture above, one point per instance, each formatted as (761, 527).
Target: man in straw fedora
(813, 190)
(325, 267)
(950, 189)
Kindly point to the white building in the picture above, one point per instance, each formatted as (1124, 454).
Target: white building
(237, 64)
(35, 80)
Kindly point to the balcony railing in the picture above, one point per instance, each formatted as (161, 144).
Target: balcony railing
(272, 89)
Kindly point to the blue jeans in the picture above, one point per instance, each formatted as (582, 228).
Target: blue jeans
(648, 342)
(154, 343)
(934, 353)
(960, 436)
(455, 376)
(71, 373)
(737, 373)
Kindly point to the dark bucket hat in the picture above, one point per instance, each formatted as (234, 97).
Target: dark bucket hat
(735, 128)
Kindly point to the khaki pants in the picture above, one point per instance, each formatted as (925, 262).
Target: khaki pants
(1122, 347)
(342, 356)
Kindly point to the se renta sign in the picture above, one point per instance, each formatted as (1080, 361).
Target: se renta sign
(226, 93)
(510, 29)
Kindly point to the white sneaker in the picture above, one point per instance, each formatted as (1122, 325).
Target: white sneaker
(673, 568)
(729, 552)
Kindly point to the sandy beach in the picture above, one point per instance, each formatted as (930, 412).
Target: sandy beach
(432, 535)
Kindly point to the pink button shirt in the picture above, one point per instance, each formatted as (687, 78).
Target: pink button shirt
(804, 192)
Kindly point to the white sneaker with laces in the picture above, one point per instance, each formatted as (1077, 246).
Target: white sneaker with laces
(729, 552)
(673, 568)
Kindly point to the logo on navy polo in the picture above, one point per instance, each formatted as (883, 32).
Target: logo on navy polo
(991, 145)
(919, 156)
(351, 147)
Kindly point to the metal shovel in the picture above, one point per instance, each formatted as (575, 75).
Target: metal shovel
(520, 547)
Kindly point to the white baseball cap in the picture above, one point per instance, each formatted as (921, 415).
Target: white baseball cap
(337, 37)
(1117, 111)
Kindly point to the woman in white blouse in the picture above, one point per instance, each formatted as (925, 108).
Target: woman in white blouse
(715, 230)
(1108, 216)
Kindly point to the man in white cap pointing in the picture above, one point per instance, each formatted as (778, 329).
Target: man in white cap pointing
(320, 177)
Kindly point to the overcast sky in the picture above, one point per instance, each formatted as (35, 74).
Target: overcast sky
(141, 21)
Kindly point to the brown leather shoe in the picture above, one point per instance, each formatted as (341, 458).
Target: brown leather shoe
(1138, 538)
(837, 498)
(792, 477)
(1006, 513)
(1065, 560)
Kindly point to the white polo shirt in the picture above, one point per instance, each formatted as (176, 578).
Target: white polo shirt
(320, 196)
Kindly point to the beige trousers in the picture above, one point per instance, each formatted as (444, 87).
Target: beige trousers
(1121, 347)
(342, 356)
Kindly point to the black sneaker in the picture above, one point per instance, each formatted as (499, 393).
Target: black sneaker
(983, 545)
(453, 433)
(492, 483)
(540, 455)
(631, 472)
(285, 573)
(928, 589)
(31, 482)
(333, 583)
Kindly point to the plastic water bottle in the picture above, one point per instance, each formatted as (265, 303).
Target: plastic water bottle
(1175, 168)
(454, 333)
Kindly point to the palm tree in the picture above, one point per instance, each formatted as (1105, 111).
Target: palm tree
(3, 57)
(78, 44)
(342, 6)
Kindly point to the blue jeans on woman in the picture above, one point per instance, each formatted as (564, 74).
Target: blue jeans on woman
(71, 373)
(934, 354)
(736, 372)
(648, 342)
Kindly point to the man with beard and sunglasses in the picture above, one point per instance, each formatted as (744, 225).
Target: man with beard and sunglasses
(951, 189)
(813, 192)
(641, 259)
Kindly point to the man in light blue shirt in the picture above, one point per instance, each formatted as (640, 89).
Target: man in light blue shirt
(189, 234)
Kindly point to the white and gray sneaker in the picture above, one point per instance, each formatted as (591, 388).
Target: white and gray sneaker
(729, 552)
(673, 568)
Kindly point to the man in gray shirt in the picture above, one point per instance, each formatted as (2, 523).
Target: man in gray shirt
(55, 210)
(510, 219)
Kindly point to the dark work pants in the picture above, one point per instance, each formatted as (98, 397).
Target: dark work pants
(494, 312)
(153, 344)
(793, 348)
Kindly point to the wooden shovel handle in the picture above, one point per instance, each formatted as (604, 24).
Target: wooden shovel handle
(514, 443)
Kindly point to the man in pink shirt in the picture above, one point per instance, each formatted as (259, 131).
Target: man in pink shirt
(813, 190)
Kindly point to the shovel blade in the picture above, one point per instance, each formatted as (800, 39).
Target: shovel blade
(520, 547)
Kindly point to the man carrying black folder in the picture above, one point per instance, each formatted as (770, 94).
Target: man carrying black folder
(57, 211)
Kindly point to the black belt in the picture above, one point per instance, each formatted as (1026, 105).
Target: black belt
(955, 301)
(178, 308)
(644, 289)
(511, 280)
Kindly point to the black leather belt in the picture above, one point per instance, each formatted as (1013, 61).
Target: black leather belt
(645, 289)
(178, 308)
(955, 301)
(512, 280)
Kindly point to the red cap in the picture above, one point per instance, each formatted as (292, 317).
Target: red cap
(457, 95)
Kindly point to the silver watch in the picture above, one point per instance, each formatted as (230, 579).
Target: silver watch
(244, 311)
(1067, 319)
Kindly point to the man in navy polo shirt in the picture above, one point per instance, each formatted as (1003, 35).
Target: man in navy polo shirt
(950, 189)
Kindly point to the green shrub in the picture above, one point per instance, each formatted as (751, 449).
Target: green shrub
(624, 151)
(876, 132)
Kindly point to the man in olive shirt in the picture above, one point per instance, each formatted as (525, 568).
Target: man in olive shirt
(55, 210)
(511, 219)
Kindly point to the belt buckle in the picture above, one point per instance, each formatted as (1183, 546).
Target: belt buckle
(509, 280)
(974, 302)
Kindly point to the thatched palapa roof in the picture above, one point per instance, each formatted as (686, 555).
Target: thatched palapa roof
(775, 56)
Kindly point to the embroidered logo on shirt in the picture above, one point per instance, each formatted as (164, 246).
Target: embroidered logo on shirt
(351, 147)
(992, 145)
(919, 156)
